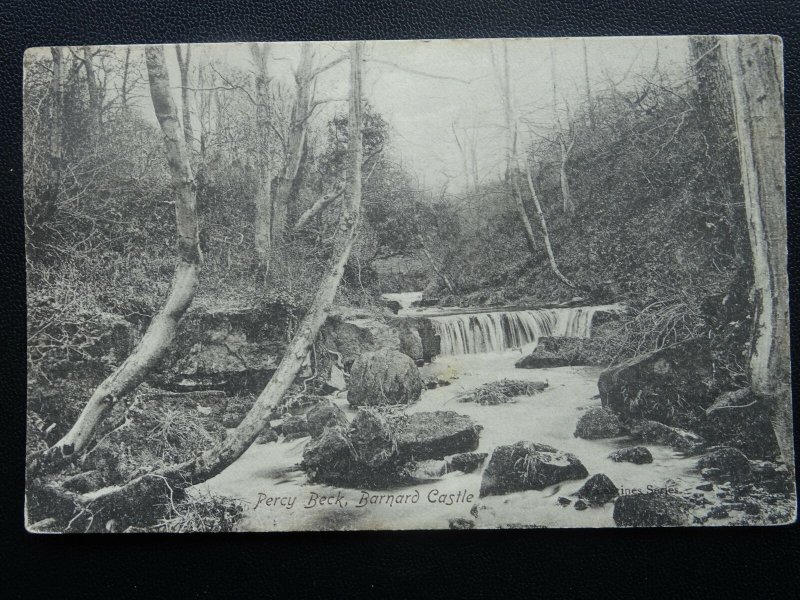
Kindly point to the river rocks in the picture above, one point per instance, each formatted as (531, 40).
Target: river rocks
(541, 359)
(411, 344)
(528, 466)
(466, 462)
(671, 385)
(426, 435)
(267, 436)
(330, 459)
(431, 343)
(598, 423)
(736, 419)
(651, 510)
(294, 427)
(384, 377)
(324, 414)
(598, 489)
(729, 464)
(565, 351)
(349, 334)
(638, 455)
(503, 391)
(658, 433)
(380, 450)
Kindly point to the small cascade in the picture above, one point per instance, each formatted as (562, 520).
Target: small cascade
(498, 331)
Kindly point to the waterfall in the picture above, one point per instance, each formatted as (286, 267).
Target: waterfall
(498, 331)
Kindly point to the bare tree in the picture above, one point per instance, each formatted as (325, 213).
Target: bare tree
(588, 85)
(565, 142)
(263, 199)
(756, 69)
(514, 162)
(120, 501)
(289, 182)
(162, 328)
(184, 61)
(56, 127)
(95, 101)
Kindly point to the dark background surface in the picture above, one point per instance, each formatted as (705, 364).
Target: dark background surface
(691, 563)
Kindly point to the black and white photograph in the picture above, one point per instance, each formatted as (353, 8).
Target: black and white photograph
(407, 285)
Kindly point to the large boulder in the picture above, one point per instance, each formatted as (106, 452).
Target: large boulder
(598, 489)
(730, 464)
(325, 414)
(379, 451)
(528, 466)
(294, 427)
(598, 423)
(541, 359)
(350, 334)
(651, 510)
(737, 420)
(654, 432)
(427, 435)
(567, 351)
(232, 349)
(638, 455)
(672, 385)
(431, 343)
(411, 344)
(384, 377)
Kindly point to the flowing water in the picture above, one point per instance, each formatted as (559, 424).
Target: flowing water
(279, 497)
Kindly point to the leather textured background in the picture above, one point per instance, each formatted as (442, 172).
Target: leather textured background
(686, 563)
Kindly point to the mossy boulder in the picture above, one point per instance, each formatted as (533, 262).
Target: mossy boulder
(598, 489)
(651, 510)
(599, 423)
(325, 414)
(638, 455)
(528, 466)
(384, 377)
(672, 385)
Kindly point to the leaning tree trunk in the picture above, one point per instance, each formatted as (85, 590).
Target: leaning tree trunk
(756, 68)
(119, 502)
(550, 255)
(513, 172)
(161, 331)
(263, 198)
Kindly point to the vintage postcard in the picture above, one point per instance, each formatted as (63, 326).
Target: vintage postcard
(489, 283)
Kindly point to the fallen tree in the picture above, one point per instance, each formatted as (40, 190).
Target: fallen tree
(125, 503)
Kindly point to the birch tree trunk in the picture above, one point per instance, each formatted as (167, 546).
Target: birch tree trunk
(162, 328)
(512, 161)
(756, 68)
(95, 116)
(514, 168)
(118, 502)
(263, 199)
(289, 183)
(184, 61)
(56, 127)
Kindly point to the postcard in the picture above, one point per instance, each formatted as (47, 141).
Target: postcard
(421, 284)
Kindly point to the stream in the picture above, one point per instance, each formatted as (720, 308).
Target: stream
(277, 495)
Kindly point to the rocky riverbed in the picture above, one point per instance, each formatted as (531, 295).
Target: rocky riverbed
(278, 495)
